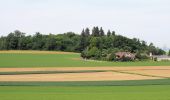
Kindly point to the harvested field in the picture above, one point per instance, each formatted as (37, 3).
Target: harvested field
(108, 74)
(96, 76)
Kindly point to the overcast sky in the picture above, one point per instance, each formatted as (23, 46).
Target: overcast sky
(145, 19)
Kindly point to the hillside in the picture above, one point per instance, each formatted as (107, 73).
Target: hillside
(95, 44)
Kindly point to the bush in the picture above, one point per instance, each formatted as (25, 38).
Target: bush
(111, 57)
(93, 53)
(126, 59)
(140, 56)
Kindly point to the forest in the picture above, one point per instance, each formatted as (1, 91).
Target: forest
(92, 44)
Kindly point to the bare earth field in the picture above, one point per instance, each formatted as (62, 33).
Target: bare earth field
(99, 76)
(109, 74)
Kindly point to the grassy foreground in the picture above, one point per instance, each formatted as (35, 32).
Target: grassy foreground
(160, 92)
(62, 60)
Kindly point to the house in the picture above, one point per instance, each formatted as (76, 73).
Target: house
(120, 55)
(161, 58)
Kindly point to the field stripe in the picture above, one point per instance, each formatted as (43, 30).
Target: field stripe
(140, 74)
(49, 72)
(91, 83)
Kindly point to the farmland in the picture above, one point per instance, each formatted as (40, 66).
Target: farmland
(160, 92)
(42, 75)
(14, 59)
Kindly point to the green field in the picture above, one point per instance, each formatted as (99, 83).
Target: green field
(62, 60)
(160, 92)
(101, 90)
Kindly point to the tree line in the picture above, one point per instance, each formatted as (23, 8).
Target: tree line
(92, 44)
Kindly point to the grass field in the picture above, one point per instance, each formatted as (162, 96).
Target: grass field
(13, 60)
(160, 92)
(154, 89)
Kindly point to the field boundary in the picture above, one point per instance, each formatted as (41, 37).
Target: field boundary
(124, 72)
(91, 83)
(50, 72)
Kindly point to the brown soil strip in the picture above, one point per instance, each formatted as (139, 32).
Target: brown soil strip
(110, 74)
(86, 68)
(98, 76)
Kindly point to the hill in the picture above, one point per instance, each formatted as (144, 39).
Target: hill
(93, 45)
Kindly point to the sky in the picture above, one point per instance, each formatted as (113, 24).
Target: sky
(148, 20)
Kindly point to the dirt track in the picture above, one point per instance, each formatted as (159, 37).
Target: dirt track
(112, 73)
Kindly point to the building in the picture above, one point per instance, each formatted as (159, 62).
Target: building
(161, 58)
(120, 55)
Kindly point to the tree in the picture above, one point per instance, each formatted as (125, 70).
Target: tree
(113, 33)
(87, 32)
(111, 57)
(12, 42)
(95, 32)
(96, 42)
(101, 32)
(83, 39)
(109, 33)
(169, 53)
(83, 34)
(141, 56)
(50, 43)
(84, 54)
(91, 46)
(94, 53)
(3, 43)
(38, 41)
(22, 43)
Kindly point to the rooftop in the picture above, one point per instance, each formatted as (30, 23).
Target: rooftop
(161, 56)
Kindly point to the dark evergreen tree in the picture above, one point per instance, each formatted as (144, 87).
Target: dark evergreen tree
(84, 39)
(101, 32)
(83, 34)
(87, 32)
(113, 33)
(109, 33)
(95, 32)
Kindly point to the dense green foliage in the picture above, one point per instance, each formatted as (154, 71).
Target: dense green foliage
(160, 92)
(93, 45)
(103, 47)
(19, 41)
(63, 60)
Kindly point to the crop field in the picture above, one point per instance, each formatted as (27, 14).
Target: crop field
(25, 59)
(160, 92)
(45, 75)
